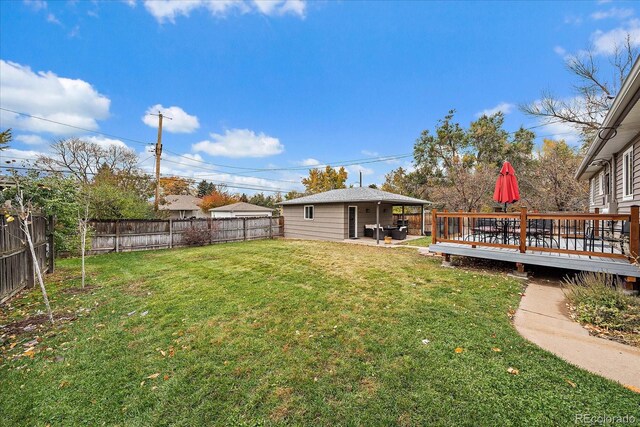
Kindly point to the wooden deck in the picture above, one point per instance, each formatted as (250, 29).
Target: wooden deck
(619, 266)
(596, 242)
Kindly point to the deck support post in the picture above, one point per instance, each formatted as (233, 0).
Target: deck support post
(434, 225)
(523, 230)
(446, 260)
(520, 267)
(634, 233)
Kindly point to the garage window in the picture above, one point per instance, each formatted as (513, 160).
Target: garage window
(308, 212)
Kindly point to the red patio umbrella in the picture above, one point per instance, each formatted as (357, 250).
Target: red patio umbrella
(506, 186)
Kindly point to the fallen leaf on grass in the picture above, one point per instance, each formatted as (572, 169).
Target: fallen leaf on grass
(458, 350)
(163, 353)
(496, 349)
(154, 376)
(632, 388)
(63, 384)
(513, 371)
(166, 377)
(571, 383)
(29, 353)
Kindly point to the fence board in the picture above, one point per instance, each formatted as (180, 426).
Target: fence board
(414, 222)
(137, 235)
(16, 265)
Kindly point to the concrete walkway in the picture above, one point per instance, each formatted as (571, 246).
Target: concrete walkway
(543, 319)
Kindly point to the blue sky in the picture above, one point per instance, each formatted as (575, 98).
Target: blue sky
(288, 83)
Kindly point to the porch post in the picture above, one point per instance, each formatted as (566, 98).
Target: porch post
(403, 216)
(422, 221)
(634, 233)
(378, 223)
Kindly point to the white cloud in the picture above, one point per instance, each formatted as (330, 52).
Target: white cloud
(309, 162)
(560, 50)
(130, 3)
(103, 141)
(558, 130)
(606, 42)
(614, 12)
(52, 18)
(30, 139)
(180, 121)
(573, 19)
(503, 107)
(240, 143)
(356, 169)
(169, 10)
(17, 157)
(44, 94)
(36, 4)
(369, 153)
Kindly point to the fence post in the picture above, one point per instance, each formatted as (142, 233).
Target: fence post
(634, 232)
(270, 227)
(434, 226)
(209, 223)
(117, 235)
(51, 223)
(244, 228)
(523, 229)
(445, 233)
(472, 221)
(170, 233)
(460, 224)
(281, 226)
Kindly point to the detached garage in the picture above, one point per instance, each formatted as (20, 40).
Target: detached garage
(240, 210)
(349, 213)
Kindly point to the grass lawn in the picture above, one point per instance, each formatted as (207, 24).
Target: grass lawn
(422, 241)
(287, 332)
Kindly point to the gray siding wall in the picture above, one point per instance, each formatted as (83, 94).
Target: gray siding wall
(328, 222)
(623, 206)
(596, 199)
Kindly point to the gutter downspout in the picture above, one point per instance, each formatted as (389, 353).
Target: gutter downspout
(613, 203)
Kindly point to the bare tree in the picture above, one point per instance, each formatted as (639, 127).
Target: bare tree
(83, 226)
(26, 218)
(598, 82)
(83, 159)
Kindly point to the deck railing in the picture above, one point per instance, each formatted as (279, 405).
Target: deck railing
(591, 234)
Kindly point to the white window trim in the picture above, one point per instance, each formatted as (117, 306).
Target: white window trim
(601, 183)
(625, 172)
(305, 212)
(356, 224)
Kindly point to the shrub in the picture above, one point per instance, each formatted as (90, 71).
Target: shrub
(597, 299)
(194, 236)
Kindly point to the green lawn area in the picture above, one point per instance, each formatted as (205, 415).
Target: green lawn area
(422, 241)
(287, 332)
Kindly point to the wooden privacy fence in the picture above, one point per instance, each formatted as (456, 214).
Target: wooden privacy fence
(591, 234)
(139, 235)
(414, 222)
(16, 264)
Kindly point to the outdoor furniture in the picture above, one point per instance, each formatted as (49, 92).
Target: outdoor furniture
(485, 230)
(399, 234)
(541, 230)
(370, 231)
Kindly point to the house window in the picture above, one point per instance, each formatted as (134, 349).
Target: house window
(606, 182)
(627, 174)
(308, 212)
(601, 184)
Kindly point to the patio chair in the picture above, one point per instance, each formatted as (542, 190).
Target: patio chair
(541, 230)
(399, 234)
(485, 230)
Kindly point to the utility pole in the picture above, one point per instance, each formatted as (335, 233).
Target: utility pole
(158, 152)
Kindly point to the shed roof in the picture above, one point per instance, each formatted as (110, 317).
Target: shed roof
(355, 194)
(241, 207)
(174, 202)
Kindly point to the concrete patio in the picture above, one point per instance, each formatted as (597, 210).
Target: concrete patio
(369, 241)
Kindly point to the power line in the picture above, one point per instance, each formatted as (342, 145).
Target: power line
(217, 182)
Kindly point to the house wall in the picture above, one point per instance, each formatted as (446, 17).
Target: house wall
(328, 222)
(174, 214)
(596, 199)
(331, 220)
(623, 206)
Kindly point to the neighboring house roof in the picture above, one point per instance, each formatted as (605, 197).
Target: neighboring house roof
(620, 126)
(180, 203)
(241, 207)
(355, 194)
